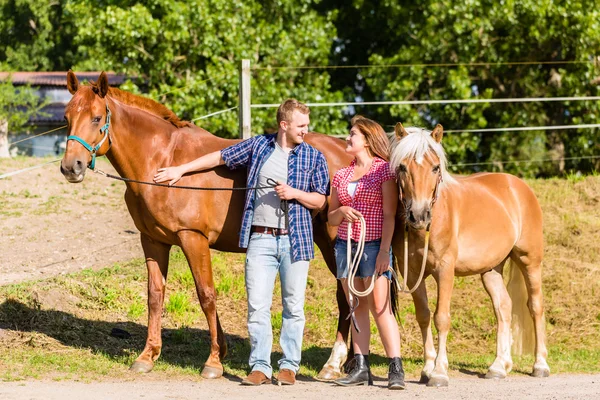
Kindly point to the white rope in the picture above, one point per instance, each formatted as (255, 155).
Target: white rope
(215, 113)
(404, 288)
(525, 128)
(352, 264)
(6, 175)
(448, 101)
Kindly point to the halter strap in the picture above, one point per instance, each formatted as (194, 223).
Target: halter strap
(104, 130)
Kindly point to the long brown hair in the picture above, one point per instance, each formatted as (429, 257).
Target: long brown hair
(379, 145)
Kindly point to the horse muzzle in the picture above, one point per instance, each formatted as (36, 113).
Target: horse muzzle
(74, 172)
(420, 218)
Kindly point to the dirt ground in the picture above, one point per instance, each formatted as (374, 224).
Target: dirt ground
(561, 387)
(52, 227)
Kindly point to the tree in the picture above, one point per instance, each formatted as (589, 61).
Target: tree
(190, 52)
(530, 32)
(16, 107)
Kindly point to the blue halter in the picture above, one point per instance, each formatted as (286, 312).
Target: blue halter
(93, 150)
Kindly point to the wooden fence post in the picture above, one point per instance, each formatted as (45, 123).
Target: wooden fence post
(244, 104)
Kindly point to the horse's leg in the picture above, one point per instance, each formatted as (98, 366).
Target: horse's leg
(530, 266)
(445, 282)
(333, 367)
(494, 285)
(157, 262)
(197, 253)
(423, 315)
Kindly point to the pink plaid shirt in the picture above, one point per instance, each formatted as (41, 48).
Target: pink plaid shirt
(368, 198)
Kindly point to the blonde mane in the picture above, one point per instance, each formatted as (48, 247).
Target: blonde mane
(416, 146)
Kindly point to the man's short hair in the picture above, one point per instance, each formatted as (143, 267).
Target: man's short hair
(287, 108)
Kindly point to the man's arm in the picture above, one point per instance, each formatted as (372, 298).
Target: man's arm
(234, 156)
(310, 200)
(173, 174)
(316, 198)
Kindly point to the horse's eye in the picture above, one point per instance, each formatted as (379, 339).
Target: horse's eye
(436, 169)
(96, 119)
(401, 168)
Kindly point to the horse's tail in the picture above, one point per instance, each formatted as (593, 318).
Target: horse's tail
(523, 333)
(394, 288)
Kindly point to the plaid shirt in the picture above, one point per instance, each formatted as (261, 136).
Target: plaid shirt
(368, 198)
(307, 171)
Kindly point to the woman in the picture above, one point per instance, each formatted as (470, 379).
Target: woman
(367, 188)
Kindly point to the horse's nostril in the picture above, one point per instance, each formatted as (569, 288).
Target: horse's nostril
(78, 167)
(411, 216)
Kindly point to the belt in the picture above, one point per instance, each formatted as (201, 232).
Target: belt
(269, 231)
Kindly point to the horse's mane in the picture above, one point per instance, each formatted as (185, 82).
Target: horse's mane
(416, 146)
(142, 103)
(148, 105)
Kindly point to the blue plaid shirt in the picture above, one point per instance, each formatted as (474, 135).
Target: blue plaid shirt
(307, 171)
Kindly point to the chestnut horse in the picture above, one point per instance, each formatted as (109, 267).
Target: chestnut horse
(138, 137)
(475, 224)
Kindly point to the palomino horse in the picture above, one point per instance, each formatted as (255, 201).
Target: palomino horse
(478, 222)
(143, 136)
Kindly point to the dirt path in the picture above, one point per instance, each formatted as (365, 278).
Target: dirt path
(50, 227)
(561, 387)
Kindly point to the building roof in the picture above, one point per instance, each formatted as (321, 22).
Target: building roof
(59, 78)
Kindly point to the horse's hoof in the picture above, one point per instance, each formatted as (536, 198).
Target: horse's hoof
(328, 374)
(141, 367)
(424, 378)
(211, 372)
(438, 381)
(540, 373)
(495, 374)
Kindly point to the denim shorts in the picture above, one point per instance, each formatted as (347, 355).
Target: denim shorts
(366, 265)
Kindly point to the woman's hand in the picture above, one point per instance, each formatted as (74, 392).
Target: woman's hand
(349, 213)
(171, 174)
(383, 262)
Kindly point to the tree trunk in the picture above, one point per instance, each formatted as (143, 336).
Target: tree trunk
(557, 152)
(4, 139)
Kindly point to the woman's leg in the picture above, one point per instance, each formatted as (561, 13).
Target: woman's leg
(361, 339)
(381, 308)
(360, 372)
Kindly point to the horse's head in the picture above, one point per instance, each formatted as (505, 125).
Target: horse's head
(88, 119)
(418, 159)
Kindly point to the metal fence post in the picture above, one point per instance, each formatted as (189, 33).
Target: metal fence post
(244, 104)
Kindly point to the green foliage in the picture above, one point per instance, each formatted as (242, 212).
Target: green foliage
(186, 55)
(190, 53)
(18, 105)
(479, 31)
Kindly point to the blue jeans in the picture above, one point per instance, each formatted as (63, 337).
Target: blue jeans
(366, 264)
(267, 255)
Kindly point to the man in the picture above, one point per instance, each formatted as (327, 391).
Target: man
(276, 242)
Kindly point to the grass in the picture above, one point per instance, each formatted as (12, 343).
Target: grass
(60, 328)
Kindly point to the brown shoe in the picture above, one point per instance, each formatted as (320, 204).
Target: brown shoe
(286, 377)
(255, 378)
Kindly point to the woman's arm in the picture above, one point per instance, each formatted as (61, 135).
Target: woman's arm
(390, 202)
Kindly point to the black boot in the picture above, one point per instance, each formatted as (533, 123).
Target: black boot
(360, 374)
(396, 374)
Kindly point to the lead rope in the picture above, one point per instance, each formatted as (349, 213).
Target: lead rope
(404, 288)
(352, 268)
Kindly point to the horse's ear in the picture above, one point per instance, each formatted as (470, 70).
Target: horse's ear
(102, 85)
(72, 82)
(438, 133)
(400, 131)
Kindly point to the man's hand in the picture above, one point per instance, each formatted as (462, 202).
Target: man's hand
(285, 192)
(171, 174)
